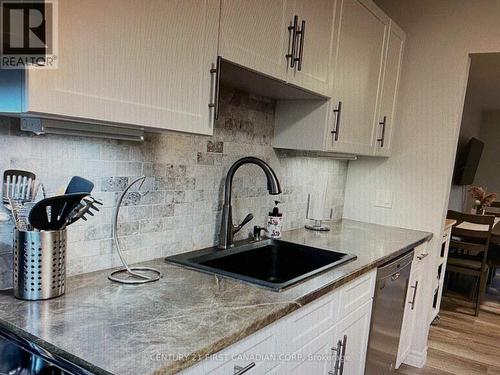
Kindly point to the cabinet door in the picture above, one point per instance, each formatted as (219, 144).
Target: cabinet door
(389, 93)
(254, 34)
(77, 87)
(357, 75)
(315, 357)
(353, 333)
(143, 63)
(313, 72)
(410, 314)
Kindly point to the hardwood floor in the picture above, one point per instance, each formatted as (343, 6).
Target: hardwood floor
(462, 344)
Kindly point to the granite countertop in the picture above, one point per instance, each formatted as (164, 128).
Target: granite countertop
(163, 326)
(449, 223)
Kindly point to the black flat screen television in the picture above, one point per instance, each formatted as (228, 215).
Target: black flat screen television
(467, 162)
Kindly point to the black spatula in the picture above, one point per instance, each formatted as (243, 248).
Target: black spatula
(79, 185)
(52, 213)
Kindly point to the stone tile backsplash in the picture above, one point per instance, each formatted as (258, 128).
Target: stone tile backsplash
(178, 207)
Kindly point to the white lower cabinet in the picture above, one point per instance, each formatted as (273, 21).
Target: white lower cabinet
(258, 350)
(327, 336)
(315, 357)
(353, 333)
(412, 305)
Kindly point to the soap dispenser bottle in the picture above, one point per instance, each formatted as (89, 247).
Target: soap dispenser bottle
(274, 222)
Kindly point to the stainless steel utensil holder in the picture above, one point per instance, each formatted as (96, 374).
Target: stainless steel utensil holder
(39, 264)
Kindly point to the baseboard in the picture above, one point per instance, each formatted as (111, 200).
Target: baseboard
(416, 359)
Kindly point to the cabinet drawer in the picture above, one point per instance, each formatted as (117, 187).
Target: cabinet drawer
(357, 293)
(260, 352)
(259, 348)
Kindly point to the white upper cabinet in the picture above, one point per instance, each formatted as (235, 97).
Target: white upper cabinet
(314, 43)
(358, 69)
(255, 34)
(140, 63)
(290, 40)
(365, 72)
(389, 93)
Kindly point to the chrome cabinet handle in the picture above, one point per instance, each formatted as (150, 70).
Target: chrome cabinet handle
(292, 36)
(215, 71)
(412, 303)
(342, 359)
(382, 136)
(300, 32)
(238, 370)
(338, 351)
(336, 129)
(422, 256)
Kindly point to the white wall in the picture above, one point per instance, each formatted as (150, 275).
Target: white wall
(469, 127)
(488, 172)
(440, 35)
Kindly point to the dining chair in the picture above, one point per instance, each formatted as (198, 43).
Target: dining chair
(470, 240)
(493, 209)
(493, 261)
(494, 250)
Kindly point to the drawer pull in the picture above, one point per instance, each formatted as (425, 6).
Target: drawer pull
(300, 32)
(215, 71)
(342, 359)
(338, 351)
(412, 303)
(382, 136)
(336, 129)
(238, 370)
(292, 36)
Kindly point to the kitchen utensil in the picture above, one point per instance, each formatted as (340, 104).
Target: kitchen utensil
(79, 184)
(52, 213)
(39, 187)
(19, 185)
(127, 274)
(39, 264)
(20, 213)
(84, 207)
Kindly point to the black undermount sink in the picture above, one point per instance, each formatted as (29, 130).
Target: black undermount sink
(272, 264)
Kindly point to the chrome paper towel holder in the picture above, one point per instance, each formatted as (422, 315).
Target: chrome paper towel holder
(317, 224)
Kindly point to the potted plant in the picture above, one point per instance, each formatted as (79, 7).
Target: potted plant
(481, 198)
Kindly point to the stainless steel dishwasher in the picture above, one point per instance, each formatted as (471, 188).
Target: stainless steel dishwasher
(387, 315)
(21, 357)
